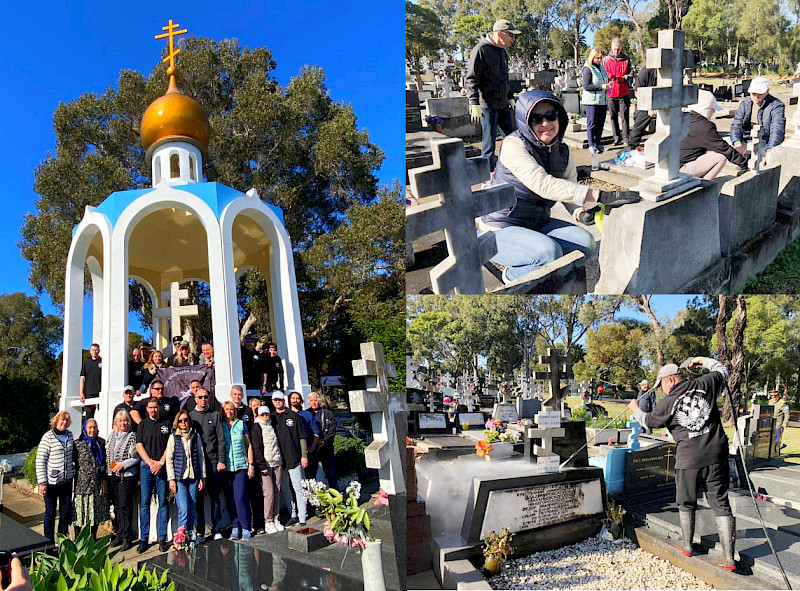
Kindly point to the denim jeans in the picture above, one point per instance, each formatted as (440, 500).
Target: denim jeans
(62, 495)
(148, 480)
(491, 120)
(186, 499)
(523, 250)
(297, 502)
(211, 489)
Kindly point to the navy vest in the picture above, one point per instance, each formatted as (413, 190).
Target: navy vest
(179, 458)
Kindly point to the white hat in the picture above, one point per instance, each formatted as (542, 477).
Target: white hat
(644, 383)
(263, 409)
(759, 85)
(278, 395)
(669, 370)
(705, 101)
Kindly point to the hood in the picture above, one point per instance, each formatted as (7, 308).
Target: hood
(526, 103)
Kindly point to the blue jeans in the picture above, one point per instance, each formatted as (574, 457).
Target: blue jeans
(296, 502)
(491, 120)
(595, 118)
(523, 250)
(147, 480)
(186, 499)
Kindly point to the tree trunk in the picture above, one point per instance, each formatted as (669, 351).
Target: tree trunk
(248, 324)
(644, 304)
(722, 322)
(737, 359)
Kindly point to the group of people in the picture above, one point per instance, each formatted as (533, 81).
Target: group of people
(254, 454)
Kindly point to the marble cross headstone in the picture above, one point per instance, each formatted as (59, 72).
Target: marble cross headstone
(558, 370)
(431, 402)
(175, 311)
(667, 98)
(451, 176)
(548, 426)
(383, 453)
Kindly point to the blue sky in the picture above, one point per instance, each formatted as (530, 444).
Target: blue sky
(54, 51)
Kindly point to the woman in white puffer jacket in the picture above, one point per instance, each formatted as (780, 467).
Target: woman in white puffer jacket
(267, 458)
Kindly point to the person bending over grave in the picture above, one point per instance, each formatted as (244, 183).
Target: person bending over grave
(771, 117)
(642, 119)
(488, 88)
(703, 151)
(691, 414)
(536, 162)
(595, 83)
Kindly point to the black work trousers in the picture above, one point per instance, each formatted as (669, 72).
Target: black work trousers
(619, 108)
(640, 122)
(125, 490)
(714, 479)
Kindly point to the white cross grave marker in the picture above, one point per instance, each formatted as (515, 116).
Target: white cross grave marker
(451, 176)
(667, 98)
(383, 453)
(175, 311)
(548, 426)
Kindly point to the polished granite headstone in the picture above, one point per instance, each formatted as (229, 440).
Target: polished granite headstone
(15, 537)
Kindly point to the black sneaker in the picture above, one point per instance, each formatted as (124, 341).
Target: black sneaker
(126, 545)
(291, 522)
(162, 546)
(142, 547)
(116, 541)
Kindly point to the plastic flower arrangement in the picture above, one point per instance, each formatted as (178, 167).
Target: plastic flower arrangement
(345, 522)
(434, 120)
(482, 448)
(493, 430)
(5, 467)
(509, 436)
(181, 541)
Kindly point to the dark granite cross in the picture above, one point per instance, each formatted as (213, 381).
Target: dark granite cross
(558, 371)
(451, 176)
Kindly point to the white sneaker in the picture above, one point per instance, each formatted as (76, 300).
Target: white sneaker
(277, 525)
(217, 536)
(270, 528)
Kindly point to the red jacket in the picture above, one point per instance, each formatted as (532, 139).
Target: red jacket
(619, 70)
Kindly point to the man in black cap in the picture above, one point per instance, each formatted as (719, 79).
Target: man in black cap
(690, 412)
(487, 85)
(176, 347)
(127, 403)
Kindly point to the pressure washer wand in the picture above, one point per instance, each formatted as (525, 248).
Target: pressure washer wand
(580, 449)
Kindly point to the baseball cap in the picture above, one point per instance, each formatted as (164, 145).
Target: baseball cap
(278, 395)
(177, 339)
(184, 343)
(127, 388)
(504, 24)
(774, 394)
(669, 370)
(263, 409)
(705, 101)
(759, 85)
(644, 383)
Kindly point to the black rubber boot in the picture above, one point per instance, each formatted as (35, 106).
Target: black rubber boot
(687, 531)
(727, 537)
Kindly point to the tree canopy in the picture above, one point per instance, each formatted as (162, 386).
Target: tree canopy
(303, 151)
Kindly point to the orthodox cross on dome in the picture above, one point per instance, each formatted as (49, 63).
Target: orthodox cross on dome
(171, 33)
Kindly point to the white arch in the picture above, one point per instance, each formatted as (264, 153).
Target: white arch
(287, 329)
(227, 369)
(93, 222)
(148, 287)
(96, 273)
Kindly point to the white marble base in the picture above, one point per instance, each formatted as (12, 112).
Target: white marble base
(653, 189)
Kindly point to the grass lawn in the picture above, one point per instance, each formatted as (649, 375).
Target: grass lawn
(781, 276)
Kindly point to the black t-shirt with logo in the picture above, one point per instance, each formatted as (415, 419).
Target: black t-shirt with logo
(289, 430)
(90, 371)
(168, 408)
(245, 413)
(252, 368)
(153, 435)
(273, 367)
(135, 375)
(123, 406)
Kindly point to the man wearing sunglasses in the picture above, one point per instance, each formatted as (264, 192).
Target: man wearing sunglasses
(539, 166)
(487, 85)
(207, 423)
(167, 405)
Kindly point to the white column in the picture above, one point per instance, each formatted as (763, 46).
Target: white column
(96, 273)
(115, 359)
(224, 312)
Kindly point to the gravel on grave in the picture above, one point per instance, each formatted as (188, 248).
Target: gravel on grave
(594, 564)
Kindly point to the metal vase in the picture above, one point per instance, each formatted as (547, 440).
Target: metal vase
(372, 566)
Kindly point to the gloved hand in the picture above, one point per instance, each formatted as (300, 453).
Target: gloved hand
(586, 216)
(475, 113)
(513, 104)
(618, 198)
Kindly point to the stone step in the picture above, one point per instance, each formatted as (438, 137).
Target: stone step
(751, 546)
(775, 516)
(777, 481)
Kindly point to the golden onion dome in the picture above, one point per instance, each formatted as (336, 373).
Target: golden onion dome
(174, 116)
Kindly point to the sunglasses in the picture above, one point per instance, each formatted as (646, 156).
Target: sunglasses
(202, 397)
(183, 420)
(157, 389)
(537, 118)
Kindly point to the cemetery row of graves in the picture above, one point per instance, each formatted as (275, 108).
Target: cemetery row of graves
(532, 461)
(724, 231)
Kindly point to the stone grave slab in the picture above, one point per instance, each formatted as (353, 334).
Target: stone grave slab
(527, 408)
(571, 101)
(413, 119)
(747, 207)
(762, 431)
(474, 420)
(505, 412)
(573, 439)
(643, 242)
(15, 537)
(431, 423)
(532, 502)
(650, 473)
(455, 112)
